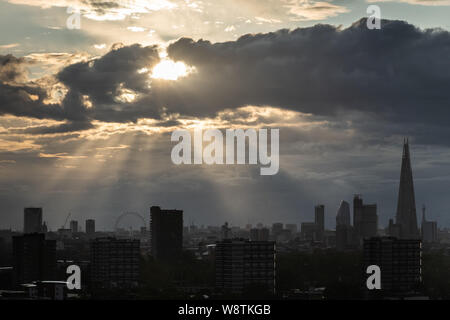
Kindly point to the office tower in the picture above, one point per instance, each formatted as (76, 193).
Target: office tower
(357, 214)
(244, 265)
(365, 219)
(34, 258)
(369, 227)
(344, 230)
(319, 219)
(259, 234)
(166, 227)
(74, 226)
(429, 229)
(115, 263)
(400, 262)
(90, 226)
(406, 206)
(32, 220)
(343, 214)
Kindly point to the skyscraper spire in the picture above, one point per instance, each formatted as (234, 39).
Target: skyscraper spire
(406, 206)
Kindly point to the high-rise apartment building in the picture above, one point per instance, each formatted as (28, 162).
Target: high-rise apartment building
(114, 263)
(34, 258)
(32, 220)
(242, 265)
(400, 262)
(166, 227)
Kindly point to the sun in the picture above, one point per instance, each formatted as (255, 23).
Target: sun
(170, 70)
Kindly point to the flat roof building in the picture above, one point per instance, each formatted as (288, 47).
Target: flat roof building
(34, 258)
(166, 228)
(242, 264)
(400, 262)
(114, 263)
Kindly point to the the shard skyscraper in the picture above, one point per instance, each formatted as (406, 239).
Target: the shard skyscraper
(406, 218)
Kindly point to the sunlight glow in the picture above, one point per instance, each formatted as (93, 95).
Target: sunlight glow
(170, 70)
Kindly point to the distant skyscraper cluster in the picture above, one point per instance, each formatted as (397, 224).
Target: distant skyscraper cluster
(365, 223)
(314, 231)
(245, 259)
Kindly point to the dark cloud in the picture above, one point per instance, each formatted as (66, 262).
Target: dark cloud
(27, 101)
(397, 75)
(60, 128)
(398, 71)
(100, 80)
(103, 80)
(12, 69)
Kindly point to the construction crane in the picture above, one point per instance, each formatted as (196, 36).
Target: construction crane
(65, 221)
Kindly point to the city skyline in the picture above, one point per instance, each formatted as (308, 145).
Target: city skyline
(406, 197)
(211, 152)
(86, 115)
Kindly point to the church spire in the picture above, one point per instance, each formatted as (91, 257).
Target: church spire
(406, 206)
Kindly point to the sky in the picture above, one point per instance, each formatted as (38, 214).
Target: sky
(86, 113)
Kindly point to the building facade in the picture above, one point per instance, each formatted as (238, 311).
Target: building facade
(166, 227)
(114, 263)
(400, 262)
(242, 264)
(32, 220)
(365, 219)
(34, 258)
(259, 234)
(319, 219)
